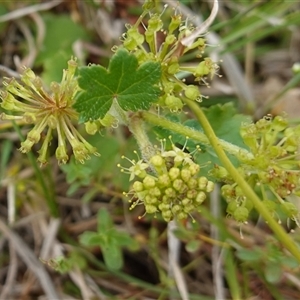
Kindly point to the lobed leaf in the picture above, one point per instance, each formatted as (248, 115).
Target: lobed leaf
(132, 86)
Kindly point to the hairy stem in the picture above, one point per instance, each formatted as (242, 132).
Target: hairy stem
(283, 237)
(199, 136)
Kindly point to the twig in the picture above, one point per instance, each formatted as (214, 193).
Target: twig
(32, 51)
(215, 255)
(18, 13)
(174, 269)
(30, 260)
(11, 274)
(50, 235)
(9, 71)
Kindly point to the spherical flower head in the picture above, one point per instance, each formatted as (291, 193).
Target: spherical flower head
(170, 184)
(48, 110)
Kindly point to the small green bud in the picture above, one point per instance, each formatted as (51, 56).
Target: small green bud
(279, 123)
(241, 214)
(109, 121)
(155, 192)
(175, 23)
(210, 186)
(130, 43)
(194, 169)
(204, 68)
(178, 184)
(150, 209)
(182, 215)
(164, 206)
(192, 183)
(149, 182)
(157, 161)
(174, 173)
(26, 146)
(202, 182)
(201, 196)
(164, 180)
(34, 136)
(170, 193)
(155, 23)
(185, 175)
(176, 209)
(150, 199)
(149, 4)
(185, 201)
(191, 194)
(188, 208)
(170, 39)
(228, 191)
(231, 207)
(192, 92)
(61, 154)
(173, 103)
(167, 215)
(138, 186)
(91, 127)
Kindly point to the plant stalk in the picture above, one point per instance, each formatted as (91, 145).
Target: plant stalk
(282, 236)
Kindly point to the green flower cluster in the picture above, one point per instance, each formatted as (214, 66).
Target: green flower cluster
(169, 184)
(29, 103)
(273, 171)
(163, 45)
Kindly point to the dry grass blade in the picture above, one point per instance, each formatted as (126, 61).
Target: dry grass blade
(11, 273)
(30, 260)
(188, 41)
(174, 269)
(24, 11)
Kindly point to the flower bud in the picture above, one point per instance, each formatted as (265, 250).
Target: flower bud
(201, 196)
(91, 127)
(150, 209)
(202, 182)
(138, 186)
(175, 23)
(149, 182)
(61, 154)
(174, 173)
(241, 214)
(155, 23)
(192, 92)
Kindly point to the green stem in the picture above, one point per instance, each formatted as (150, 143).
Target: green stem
(199, 136)
(137, 128)
(283, 237)
(49, 195)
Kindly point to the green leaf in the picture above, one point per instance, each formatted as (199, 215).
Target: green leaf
(105, 222)
(192, 246)
(112, 256)
(90, 238)
(250, 255)
(273, 272)
(61, 33)
(132, 86)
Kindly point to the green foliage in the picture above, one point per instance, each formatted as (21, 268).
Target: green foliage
(131, 86)
(271, 261)
(109, 239)
(257, 164)
(64, 264)
(61, 34)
